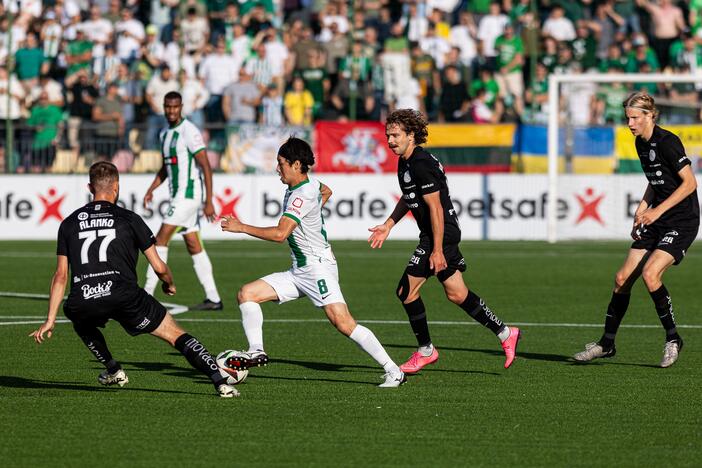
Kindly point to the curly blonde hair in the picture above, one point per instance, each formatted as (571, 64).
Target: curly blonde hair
(410, 121)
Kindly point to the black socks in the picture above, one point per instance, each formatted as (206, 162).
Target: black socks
(615, 313)
(198, 357)
(480, 312)
(418, 321)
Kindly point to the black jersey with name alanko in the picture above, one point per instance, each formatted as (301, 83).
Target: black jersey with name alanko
(102, 242)
(662, 157)
(422, 174)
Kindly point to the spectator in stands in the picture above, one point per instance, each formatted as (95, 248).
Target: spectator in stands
(605, 24)
(384, 25)
(490, 27)
(130, 34)
(196, 32)
(10, 107)
(277, 53)
(353, 99)
(98, 30)
(130, 93)
(159, 85)
(463, 35)
(668, 24)
(510, 59)
(316, 80)
(271, 113)
(371, 45)
(357, 61)
(240, 45)
(480, 113)
(217, 70)
(44, 119)
(109, 131)
(81, 97)
(641, 54)
(415, 23)
(256, 20)
(153, 50)
(79, 54)
(486, 80)
(436, 46)
(51, 33)
(194, 97)
(51, 87)
(585, 47)
(336, 49)
(106, 68)
(240, 100)
(299, 103)
(454, 102)
(536, 97)
(425, 72)
(301, 50)
(261, 69)
(608, 102)
(558, 26)
(396, 42)
(29, 62)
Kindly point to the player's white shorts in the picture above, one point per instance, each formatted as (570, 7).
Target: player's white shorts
(185, 214)
(318, 281)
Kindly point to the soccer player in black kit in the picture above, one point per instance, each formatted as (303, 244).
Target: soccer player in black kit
(665, 225)
(425, 193)
(101, 243)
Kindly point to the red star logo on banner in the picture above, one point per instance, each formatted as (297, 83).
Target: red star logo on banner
(52, 206)
(588, 206)
(397, 199)
(227, 205)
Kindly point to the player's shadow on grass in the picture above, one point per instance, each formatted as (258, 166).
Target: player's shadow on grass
(497, 352)
(165, 368)
(323, 366)
(9, 381)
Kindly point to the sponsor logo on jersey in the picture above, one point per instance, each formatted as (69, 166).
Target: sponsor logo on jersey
(76, 279)
(82, 216)
(428, 185)
(419, 251)
(143, 324)
(682, 159)
(99, 290)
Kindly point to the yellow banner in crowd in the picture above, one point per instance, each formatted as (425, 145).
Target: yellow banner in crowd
(457, 135)
(690, 135)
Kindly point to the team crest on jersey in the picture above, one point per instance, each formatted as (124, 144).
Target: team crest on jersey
(297, 202)
(82, 216)
(406, 177)
(651, 155)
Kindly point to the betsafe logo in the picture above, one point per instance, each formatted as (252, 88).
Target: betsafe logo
(23, 208)
(589, 204)
(227, 203)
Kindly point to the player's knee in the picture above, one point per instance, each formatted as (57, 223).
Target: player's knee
(651, 277)
(245, 294)
(457, 297)
(620, 280)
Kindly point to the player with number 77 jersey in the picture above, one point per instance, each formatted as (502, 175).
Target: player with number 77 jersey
(314, 271)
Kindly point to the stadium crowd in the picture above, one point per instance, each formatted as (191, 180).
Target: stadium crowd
(91, 75)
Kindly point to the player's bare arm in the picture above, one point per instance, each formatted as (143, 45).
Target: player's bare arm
(687, 186)
(161, 270)
(58, 288)
(158, 180)
(326, 193)
(277, 233)
(201, 158)
(381, 232)
(437, 261)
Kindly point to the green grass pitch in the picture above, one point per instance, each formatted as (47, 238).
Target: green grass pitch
(317, 403)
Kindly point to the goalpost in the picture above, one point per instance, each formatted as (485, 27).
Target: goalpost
(554, 95)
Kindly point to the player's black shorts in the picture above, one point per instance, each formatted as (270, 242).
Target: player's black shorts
(418, 265)
(137, 312)
(675, 241)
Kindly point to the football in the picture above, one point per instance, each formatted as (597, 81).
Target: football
(235, 376)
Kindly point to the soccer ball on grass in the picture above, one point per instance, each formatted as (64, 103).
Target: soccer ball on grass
(233, 376)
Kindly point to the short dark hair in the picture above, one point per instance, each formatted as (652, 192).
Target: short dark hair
(296, 149)
(173, 95)
(102, 175)
(410, 121)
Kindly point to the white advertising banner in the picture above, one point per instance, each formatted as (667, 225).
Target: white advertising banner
(501, 206)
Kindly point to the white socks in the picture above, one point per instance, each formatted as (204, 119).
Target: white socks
(151, 278)
(252, 320)
(203, 270)
(367, 341)
(504, 334)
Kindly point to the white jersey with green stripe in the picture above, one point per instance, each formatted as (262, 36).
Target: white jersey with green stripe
(178, 147)
(308, 241)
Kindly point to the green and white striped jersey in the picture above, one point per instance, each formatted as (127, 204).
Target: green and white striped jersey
(308, 242)
(178, 147)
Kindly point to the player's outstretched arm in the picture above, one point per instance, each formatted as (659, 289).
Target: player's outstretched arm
(58, 287)
(686, 187)
(201, 158)
(381, 232)
(158, 180)
(161, 270)
(277, 233)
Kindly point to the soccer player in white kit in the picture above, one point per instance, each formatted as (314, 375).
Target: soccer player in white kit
(184, 164)
(314, 271)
